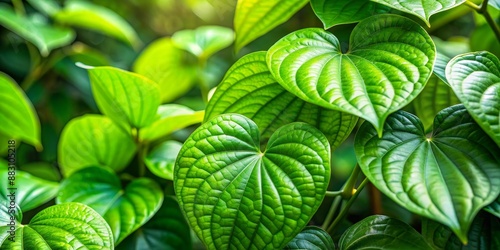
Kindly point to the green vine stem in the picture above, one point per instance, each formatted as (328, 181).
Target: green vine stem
(483, 10)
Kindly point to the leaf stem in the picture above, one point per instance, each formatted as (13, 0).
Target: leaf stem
(142, 149)
(19, 7)
(331, 213)
(483, 10)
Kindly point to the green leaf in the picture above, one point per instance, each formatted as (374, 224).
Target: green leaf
(311, 238)
(87, 15)
(124, 210)
(44, 36)
(64, 226)
(43, 170)
(28, 191)
(167, 230)
(204, 41)
(175, 73)
(381, 232)
(17, 116)
(94, 140)
(161, 160)
(494, 207)
(435, 97)
(332, 13)
(254, 18)
(389, 61)
(249, 89)
(483, 234)
(440, 68)
(475, 78)
(49, 7)
(171, 117)
(125, 96)
(448, 176)
(421, 8)
(236, 196)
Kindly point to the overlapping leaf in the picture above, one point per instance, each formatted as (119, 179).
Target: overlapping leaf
(336, 12)
(249, 89)
(311, 238)
(124, 209)
(161, 160)
(204, 41)
(389, 61)
(236, 196)
(494, 207)
(475, 78)
(448, 176)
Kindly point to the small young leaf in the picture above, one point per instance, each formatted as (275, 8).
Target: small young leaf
(254, 18)
(382, 232)
(448, 176)
(161, 160)
(475, 78)
(125, 96)
(311, 238)
(332, 13)
(17, 116)
(94, 140)
(389, 62)
(204, 41)
(236, 196)
(125, 210)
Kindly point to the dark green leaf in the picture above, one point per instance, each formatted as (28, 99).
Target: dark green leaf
(336, 12)
(448, 176)
(494, 208)
(161, 160)
(204, 41)
(312, 238)
(237, 196)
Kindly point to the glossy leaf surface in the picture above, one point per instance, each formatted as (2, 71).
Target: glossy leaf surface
(448, 176)
(18, 117)
(254, 18)
(494, 207)
(94, 140)
(475, 78)
(311, 238)
(249, 89)
(388, 63)
(125, 96)
(237, 196)
(421, 8)
(332, 13)
(161, 160)
(204, 41)
(125, 210)
(382, 232)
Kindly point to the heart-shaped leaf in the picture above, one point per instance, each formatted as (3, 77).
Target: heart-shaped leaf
(254, 18)
(381, 232)
(125, 96)
(249, 89)
(311, 238)
(17, 116)
(236, 196)
(475, 78)
(332, 13)
(161, 160)
(124, 210)
(28, 191)
(389, 61)
(204, 41)
(448, 176)
(64, 226)
(494, 207)
(166, 230)
(175, 73)
(421, 8)
(94, 140)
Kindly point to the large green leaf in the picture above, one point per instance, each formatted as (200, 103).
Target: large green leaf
(332, 13)
(44, 36)
(64, 226)
(236, 196)
(17, 116)
(171, 117)
(124, 209)
(448, 176)
(174, 69)
(125, 96)
(167, 230)
(204, 41)
(254, 18)
(388, 63)
(28, 191)
(382, 232)
(161, 160)
(421, 8)
(85, 14)
(494, 208)
(249, 89)
(475, 78)
(94, 140)
(483, 234)
(311, 238)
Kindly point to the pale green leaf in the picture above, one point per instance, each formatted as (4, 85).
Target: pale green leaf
(448, 175)
(311, 238)
(204, 41)
(236, 196)
(389, 61)
(49, 7)
(336, 12)
(161, 160)
(483, 38)
(254, 18)
(495, 4)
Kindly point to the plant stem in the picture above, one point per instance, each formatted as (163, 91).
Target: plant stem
(19, 7)
(348, 189)
(375, 199)
(331, 213)
(142, 149)
(483, 10)
(334, 193)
